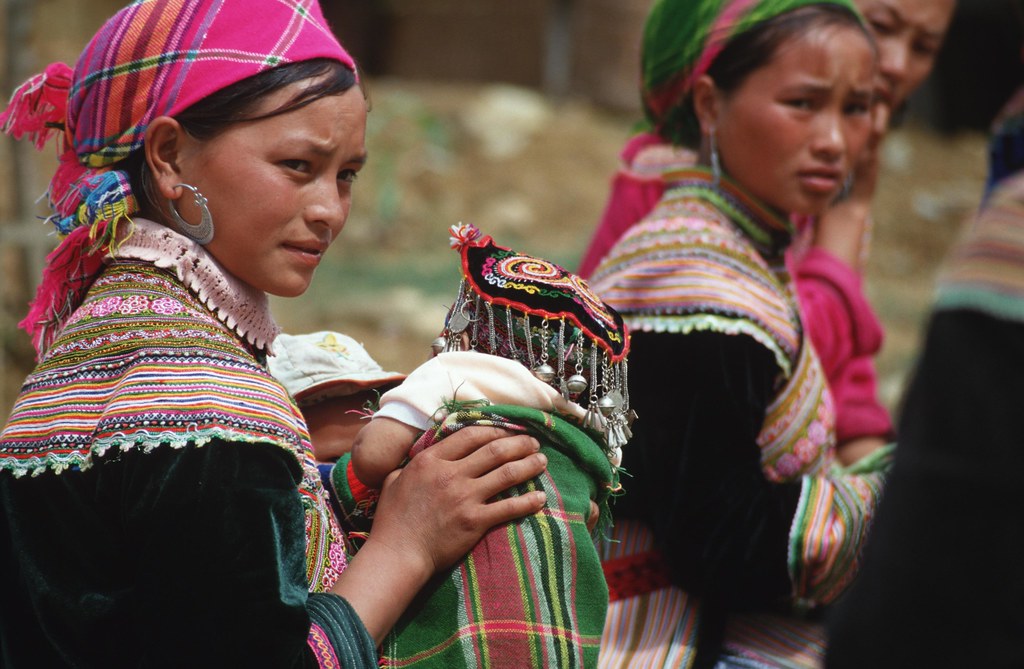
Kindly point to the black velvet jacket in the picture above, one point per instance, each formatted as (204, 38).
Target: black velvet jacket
(188, 557)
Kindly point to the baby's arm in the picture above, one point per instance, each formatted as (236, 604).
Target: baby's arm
(379, 448)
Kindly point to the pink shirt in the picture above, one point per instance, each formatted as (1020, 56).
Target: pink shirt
(847, 335)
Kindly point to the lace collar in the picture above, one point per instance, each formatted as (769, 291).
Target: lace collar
(244, 309)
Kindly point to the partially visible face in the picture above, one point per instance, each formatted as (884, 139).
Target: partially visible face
(279, 188)
(792, 130)
(909, 34)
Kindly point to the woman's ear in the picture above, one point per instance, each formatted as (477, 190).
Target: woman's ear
(163, 145)
(706, 103)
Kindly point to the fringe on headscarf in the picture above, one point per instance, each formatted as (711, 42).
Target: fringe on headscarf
(88, 204)
(89, 233)
(38, 107)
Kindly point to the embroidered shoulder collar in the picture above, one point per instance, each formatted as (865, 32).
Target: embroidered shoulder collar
(244, 309)
(770, 232)
(706, 258)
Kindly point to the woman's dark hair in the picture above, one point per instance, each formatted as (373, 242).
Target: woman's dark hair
(235, 104)
(756, 47)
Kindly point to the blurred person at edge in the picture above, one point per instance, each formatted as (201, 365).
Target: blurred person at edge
(942, 584)
(159, 502)
(948, 537)
(829, 257)
(737, 527)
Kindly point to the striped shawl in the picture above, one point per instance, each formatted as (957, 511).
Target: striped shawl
(144, 364)
(986, 269)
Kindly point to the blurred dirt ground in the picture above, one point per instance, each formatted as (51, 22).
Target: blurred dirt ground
(535, 175)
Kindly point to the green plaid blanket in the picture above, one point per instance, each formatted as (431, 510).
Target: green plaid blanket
(532, 592)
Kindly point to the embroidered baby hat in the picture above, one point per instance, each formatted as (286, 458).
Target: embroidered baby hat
(531, 310)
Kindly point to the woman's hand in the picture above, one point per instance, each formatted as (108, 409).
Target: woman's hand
(432, 512)
(851, 451)
(450, 486)
(845, 227)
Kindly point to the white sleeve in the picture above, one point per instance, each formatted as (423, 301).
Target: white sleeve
(465, 377)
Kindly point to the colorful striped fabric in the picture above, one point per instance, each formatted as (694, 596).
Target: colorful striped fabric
(144, 364)
(712, 259)
(531, 593)
(775, 641)
(653, 627)
(831, 524)
(705, 259)
(798, 434)
(158, 57)
(829, 530)
(986, 269)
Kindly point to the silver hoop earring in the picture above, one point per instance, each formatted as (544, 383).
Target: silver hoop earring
(202, 232)
(716, 164)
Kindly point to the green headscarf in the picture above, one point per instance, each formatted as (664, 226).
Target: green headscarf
(681, 40)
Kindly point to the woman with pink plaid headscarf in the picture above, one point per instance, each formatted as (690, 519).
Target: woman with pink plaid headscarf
(160, 502)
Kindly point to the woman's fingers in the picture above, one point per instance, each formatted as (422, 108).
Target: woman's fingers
(438, 509)
(489, 458)
(466, 441)
(511, 508)
(514, 471)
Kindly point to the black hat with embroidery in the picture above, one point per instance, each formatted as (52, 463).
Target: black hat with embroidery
(529, 309)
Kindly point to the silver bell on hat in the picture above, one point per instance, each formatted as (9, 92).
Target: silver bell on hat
(544, 372)
(577, 383)
(609, 404)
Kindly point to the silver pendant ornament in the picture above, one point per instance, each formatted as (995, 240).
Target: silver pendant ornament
(577, 383)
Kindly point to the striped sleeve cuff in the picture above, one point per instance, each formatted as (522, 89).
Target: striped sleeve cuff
(831, 523)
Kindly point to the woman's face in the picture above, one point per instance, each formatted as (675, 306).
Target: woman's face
(909, 34)
(792, 130)
(279, 188)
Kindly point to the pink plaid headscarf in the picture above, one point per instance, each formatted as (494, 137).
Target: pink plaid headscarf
(153, 58)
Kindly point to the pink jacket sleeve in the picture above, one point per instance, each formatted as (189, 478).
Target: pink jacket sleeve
(846, 334)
